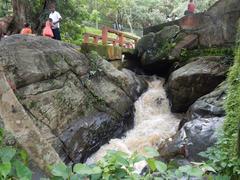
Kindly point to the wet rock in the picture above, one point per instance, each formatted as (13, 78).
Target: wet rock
(82, 138)
(194, 137)
(61, 88)
(200, 129)
(153, 49)
(194, 80)
(210, 105)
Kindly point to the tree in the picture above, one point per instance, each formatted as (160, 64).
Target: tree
(19, 14)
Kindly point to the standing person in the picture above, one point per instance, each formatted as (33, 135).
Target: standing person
(56, 18)
(26, 30)
(47, 30)
(191, 7)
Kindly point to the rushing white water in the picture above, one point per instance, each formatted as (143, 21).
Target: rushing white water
(154, 123)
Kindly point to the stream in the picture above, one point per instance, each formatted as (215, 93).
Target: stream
(153, 124)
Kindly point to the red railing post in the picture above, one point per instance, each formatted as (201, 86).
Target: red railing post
(121, 39)
(95, 40)
(114, 43)
(86, 38)
(104, 35)
(135, 42)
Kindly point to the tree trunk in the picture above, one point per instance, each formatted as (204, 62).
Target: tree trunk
(19, 14)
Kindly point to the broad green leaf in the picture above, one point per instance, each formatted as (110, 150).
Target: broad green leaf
(122, 161)
(151, 152)
(222, 178)
(7, 153)
(96, 176)
(24, 156)
(75, 177)
(161, 167)
(5, 169)
(207, 168)
(197, 172)
(84, 170)
(185, 169)
(178, 173)
(158, 178)
(121, 173)
(60, 170)
(137, 158)
(22, 170)
(151, 164)
(96, 170)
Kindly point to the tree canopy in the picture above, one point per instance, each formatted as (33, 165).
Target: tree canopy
(130, 14)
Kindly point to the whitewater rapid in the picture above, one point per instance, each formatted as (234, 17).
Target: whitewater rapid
(153, 124)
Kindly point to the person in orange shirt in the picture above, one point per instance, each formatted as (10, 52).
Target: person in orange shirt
(26, 30)
(47, 30)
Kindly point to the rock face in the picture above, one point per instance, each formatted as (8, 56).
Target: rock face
(216, 27)
(205, 117)
(194, 80)
(210, 105)
(77, 102)
(153, 49)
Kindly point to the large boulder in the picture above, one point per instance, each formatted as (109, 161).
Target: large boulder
(195, 79)
(153, 49)
(194, 137)
(200, 130)
(210, 105)
(77, 102)
(215, 27)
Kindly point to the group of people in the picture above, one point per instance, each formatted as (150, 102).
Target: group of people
(51, 28)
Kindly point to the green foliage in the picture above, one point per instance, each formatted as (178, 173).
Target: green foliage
(5, 8)
(224, 156)
(13, 162)
(114, 165)
(119, 165)
(187, 54)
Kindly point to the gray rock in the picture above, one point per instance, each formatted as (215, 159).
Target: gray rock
(194, 80)
(194, 137)
(81, 139)
(210, 105)
(200, 129)
(153, 48)
(215, 27)
(76, 101)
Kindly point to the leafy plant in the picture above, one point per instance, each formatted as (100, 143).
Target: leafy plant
(119, 165)
(224, 155)
(13, 162)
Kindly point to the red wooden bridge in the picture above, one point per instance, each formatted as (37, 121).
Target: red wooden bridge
(111, 44)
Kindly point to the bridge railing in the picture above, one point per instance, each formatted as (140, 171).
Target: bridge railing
(122, 39)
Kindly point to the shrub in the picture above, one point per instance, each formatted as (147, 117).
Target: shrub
(13, 162)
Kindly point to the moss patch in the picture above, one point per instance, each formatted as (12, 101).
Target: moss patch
(188, 54)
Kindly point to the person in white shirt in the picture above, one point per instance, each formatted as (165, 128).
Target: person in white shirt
(56, 17)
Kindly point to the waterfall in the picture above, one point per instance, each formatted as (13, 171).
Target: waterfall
(153, 124)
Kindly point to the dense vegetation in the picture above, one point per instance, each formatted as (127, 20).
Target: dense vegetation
(225, 155)
(115, 165)
(132, 15)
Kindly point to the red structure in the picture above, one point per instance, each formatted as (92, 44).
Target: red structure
(123, 39)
